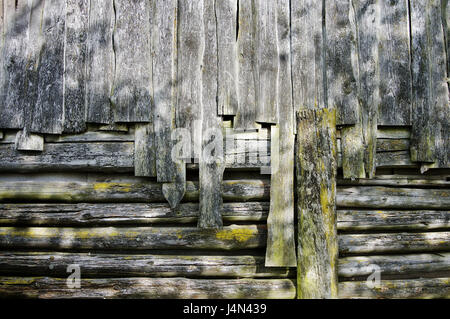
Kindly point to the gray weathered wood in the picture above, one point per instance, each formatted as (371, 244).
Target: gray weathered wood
(75, 41)
(379, 197)
(388, 289)
(123, 214)
(144, 150)
(267, 57)
(132, 52)
(395, 265)
(127, 191)
(393, 243)
(100, 62)
(353, 151)
(281, 235)
(134, 238)
(341, 61)
(400, 180)
(164, 42)
(247, 69)
(226, 14)
(29, 142)
(316, 190)
(48, 115)
(13, 63)
(363, 219)
(125, 265)
(431, 111)
(308, 55)
(170, 288)
(394, 63)
(212, 160)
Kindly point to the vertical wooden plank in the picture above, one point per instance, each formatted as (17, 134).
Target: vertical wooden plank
(29, 142)
(77, 22)
(189, 79)
(144, 150)
(342, 61)
(48, 114)
(169, 171)
(353, 150)
(267, 61)
(280, 250)
(16, 21)
(247, 71)
(394, 64)
(100, 62)
(308, 54)
(212, 163)
(132, 80)
(431, 111)
(226, 13)
(316, 191)
(2, 37)
(367, 20)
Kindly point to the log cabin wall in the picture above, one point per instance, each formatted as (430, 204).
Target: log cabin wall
(92, 94)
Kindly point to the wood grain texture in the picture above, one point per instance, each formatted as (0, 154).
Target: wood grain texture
(281, 234)
(29, 142)
(155, 288)
(394, 64)
(226, 15)
(75, 41)
(212, 160)
(132, 91)
(48, 116)
(144, 150)
(137, 265)
(134, 238)
(413, 288)
(247, 76)
(100, 62)
(316, 190)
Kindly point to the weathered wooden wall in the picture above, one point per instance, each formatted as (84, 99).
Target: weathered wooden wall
(91, 95)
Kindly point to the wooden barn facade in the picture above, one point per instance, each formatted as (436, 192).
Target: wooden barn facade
(224, 149)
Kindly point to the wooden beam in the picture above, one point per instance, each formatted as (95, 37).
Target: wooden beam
(317, 228)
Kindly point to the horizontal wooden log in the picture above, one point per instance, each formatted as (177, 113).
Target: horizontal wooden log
(92, 136)
(393, 243)
(120, 265)
(413, 288)
(127, 191)
(169, 288)
(123, 214)
(394, 265)
(139, 238)
(356, 220)
(399, 180)
(379, 197)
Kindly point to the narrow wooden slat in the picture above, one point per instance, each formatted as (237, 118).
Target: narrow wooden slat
(281, 235)
(316, 189)
(75, 41)
(362, 219)
(133, 72)
(134, 238)
(399, 180)
(100, 62)
(120, 265)
(379, 197)
(397, 265)
(267, 56)
(394, 243)
(413, 288)
(212, 160)
(341, 61)
(353, 152)
(29, 142)
(48, 115)
(123, 214)
(169, 288)
(144, 150)
(394, 64)
(16, 22)
(226, 14)
(247, 76)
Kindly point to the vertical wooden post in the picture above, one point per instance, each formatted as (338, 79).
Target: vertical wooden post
(316, 189)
